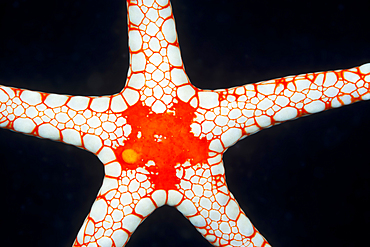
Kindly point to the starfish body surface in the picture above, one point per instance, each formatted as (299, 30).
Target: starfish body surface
(161, 139)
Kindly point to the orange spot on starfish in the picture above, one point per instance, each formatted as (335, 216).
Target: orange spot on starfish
(129, 156)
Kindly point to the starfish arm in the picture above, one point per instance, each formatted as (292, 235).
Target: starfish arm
(126, 197)
(116, 213)
(213, 210)
(75, 120)
(120, 207)
(247, 109)
(156, 68)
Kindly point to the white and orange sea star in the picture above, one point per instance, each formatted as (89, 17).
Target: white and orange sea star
(333, 129)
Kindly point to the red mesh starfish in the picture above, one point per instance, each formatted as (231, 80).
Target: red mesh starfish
(194, 117)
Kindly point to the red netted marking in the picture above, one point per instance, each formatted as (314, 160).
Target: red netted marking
(165, 139)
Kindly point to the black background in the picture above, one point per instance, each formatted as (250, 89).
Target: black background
(302, 183)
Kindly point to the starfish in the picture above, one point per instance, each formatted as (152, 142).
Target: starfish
(150, 117)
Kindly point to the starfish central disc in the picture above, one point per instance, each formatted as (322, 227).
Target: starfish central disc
(162, 143)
